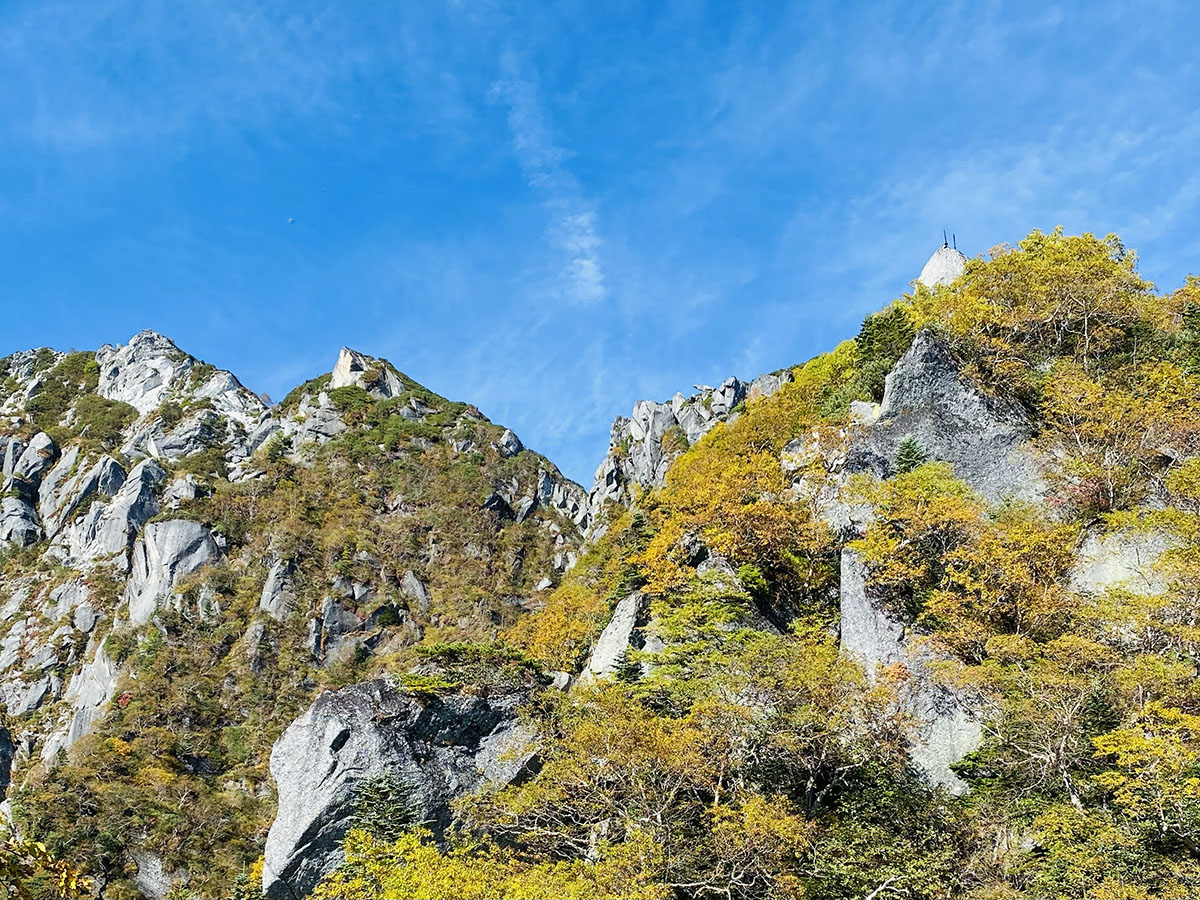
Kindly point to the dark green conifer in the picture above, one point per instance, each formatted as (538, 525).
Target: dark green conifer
(627, 669)
(909, 455)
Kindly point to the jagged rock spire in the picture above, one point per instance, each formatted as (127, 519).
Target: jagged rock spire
(946, 264)
(376, 376)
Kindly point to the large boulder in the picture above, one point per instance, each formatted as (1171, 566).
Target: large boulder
(331, 635)
(55, 479)
(439, 748)
(183, 490)
(509, 444)
(619, 635)
(194, 434)
(948, 720)
(70, 483)
(278, 595)
(72, 600)
(416, 592)
(151, 879)
(31, 465)
(18, 523)
(29, 697)
(106, 531)
(266, 429)
(320, 426)
(165, 553)
(927, 397)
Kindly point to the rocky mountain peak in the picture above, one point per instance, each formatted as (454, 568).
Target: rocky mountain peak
(643, 446)
(151, 370)
(112, 466)
(944, 267)
(374, 376)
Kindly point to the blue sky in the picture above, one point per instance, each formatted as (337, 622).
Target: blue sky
(553, 210)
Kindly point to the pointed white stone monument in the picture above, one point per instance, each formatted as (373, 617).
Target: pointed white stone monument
(943, 267)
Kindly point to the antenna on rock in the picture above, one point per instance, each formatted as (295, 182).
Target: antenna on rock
(954, 238)
(945, 243)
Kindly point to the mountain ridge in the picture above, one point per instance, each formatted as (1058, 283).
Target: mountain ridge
(913, 616)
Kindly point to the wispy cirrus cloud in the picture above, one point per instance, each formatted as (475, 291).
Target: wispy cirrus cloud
(573, 227)
(109, 74)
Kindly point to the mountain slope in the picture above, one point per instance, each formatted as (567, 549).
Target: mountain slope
(186, 567)
(916, 618)
(921, 623)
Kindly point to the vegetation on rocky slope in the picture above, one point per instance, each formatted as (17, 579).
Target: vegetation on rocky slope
(753, 761)
(178, 766)
(738, 750)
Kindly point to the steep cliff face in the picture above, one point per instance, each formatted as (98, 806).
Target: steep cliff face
(168, 539)
(437, 748)
(642, 447)
(927, 398)
(948, 721)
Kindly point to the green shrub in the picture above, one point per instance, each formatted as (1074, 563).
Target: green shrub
(909, 455)
(208, 463)
(494, 664)
(102, 421)
(350, 399)
(75, 374)
(385, 806)
(170, 414)
(427, 687)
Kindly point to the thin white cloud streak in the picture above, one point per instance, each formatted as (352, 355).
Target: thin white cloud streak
(109, 74)
(573, 227)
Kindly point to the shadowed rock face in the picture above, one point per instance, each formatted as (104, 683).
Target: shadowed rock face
(983, 437)
(441, 749)
(25, 473)
(24, 468)
(18, 523)
(7, 752)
